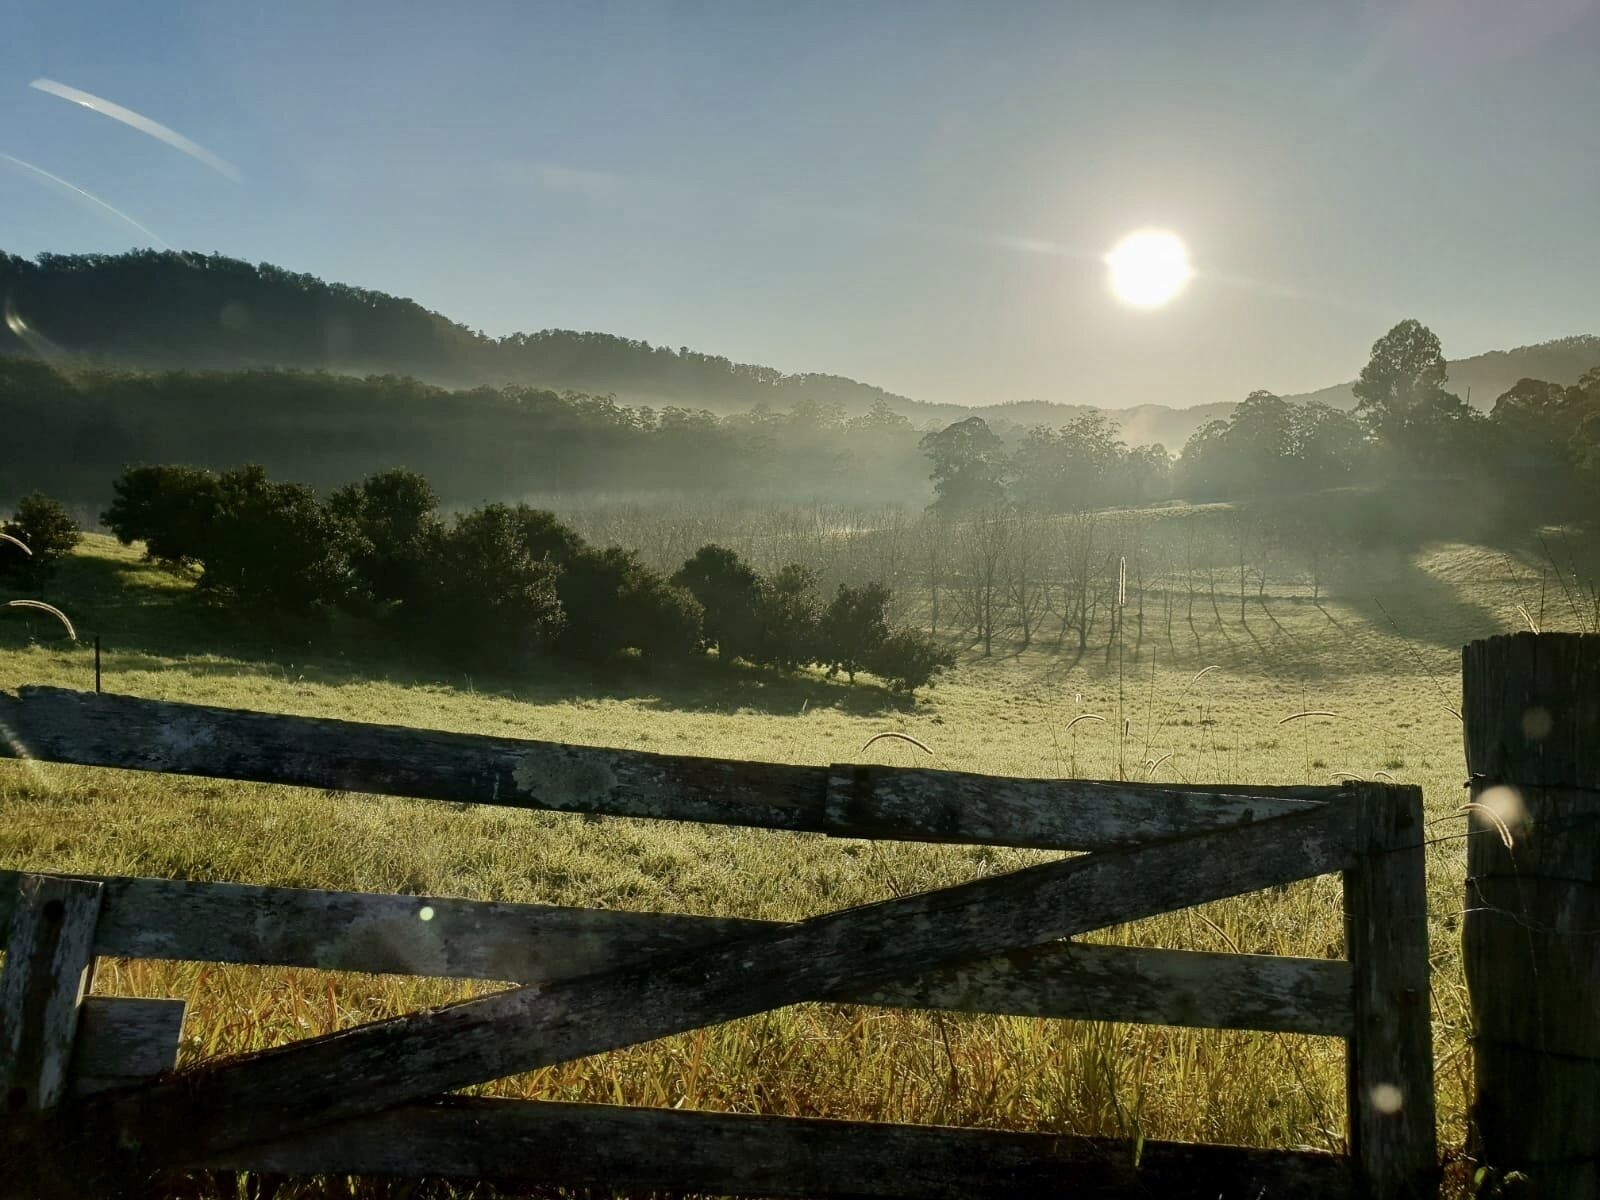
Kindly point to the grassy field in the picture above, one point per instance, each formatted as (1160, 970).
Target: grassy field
(1380, 652)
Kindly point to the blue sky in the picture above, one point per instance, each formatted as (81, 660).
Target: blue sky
(916, 195)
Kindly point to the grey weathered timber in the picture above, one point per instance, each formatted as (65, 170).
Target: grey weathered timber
(1531, 711)
(538, 943)
(1389, 1063)
(956, 806)
(150, 735)
(49, 960)
(280, 1092)
(1087, 982)
(123, 1040)
(611, 1149)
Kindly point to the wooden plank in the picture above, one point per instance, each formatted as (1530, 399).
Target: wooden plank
(277, 1093)
(1531, 709)
(123, 1040)
(1088, 982)
(955, 806)
(537, 943)
(1389, 1065)
(383, 934)
(880, 802)
(49, 960)
(612, 1149)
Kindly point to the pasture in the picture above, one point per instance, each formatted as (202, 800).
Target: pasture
(1361, 681)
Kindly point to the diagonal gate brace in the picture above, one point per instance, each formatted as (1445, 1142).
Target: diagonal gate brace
(275, 1093)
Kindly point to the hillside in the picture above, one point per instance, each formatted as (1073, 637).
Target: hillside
(1483, 378)
(154, 311)
(207, 312)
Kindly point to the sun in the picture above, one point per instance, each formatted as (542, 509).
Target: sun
(1148, 268)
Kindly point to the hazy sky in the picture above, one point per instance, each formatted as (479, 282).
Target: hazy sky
(916, 195)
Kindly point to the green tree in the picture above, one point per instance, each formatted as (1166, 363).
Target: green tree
(173, 510)
(272, 546)
(1329, 445)
(969, 465)
(729, 593)
(1077, 466)
(853, 628)
(392, 512)
(786, 623)
(488, 597)
(1406, 368)
(49, 532)
(909, 658)
(545, 536)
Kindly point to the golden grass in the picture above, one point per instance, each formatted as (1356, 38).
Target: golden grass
(1291, 661)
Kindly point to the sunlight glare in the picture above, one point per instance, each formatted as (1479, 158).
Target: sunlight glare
(1148, 268)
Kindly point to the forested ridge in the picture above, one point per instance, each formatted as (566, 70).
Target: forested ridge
(72, 420)
(154, 310)
(165, 310)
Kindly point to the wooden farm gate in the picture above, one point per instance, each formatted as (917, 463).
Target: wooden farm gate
(94, 1102)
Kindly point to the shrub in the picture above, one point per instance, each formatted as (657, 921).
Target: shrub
(546, 537)
(49, 532)
(786, 622)
(170, 509)
(613, 602)
(908, 659)
(487, 596)
(392, 514)
(729, 592)
(853, 628)
(664, 621)
(272, 546)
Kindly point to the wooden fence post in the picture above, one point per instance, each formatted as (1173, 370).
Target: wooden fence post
(1531, 708)
(49, 959)
(1389, 1063)
(48, 968)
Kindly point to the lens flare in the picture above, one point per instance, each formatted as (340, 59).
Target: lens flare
(139, 121)
(89, 196)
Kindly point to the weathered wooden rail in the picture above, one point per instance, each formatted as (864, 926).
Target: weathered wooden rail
(96, 1104)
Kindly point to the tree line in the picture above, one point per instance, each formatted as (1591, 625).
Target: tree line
(498, 583)
(1538, 448)
(81, 426)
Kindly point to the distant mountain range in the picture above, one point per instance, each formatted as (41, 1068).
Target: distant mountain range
(169, 311)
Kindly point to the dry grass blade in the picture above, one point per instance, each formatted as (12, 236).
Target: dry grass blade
(17, 542)
(1311, 712)
(904, 737)
(1154, 766)
(1343, 775)
(1084, 717)
(41, 606)
(1532, 624)
(1494, 819)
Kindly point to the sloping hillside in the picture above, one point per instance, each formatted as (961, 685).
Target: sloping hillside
(157, 311)
(1487, 376)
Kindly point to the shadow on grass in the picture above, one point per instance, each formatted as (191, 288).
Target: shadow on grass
(150, 622)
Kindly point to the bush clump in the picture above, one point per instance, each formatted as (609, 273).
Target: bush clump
(909, 658)
(495, 584)
(169, 509)
(50, 534)
(486, 596)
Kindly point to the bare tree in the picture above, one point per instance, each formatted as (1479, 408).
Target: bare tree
(1026, 591)
(983, 545)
